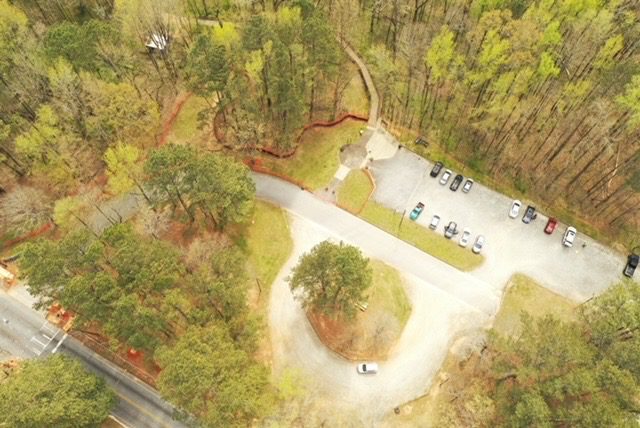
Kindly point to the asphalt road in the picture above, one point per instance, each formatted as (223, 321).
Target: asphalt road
(25, 333)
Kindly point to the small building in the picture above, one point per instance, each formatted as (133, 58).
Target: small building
(157, 43)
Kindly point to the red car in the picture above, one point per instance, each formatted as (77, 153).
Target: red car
(551, 226)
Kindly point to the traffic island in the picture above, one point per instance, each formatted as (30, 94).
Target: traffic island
(378, 324)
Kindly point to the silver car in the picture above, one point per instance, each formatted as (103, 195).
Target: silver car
(477, 246)
(515, 209)
(445, 177)
(464, 239)
(435, 220)
(569, 236)
(368, 368)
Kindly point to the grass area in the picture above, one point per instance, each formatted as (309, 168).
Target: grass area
(424, 239)
(185, 128)
(269, 245)
(373, 332)
(355, 99)
(317, 158)
(523, 294)
(355, 190)
(387, 292)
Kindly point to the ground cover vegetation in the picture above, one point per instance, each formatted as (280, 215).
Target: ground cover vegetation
(542, 95)
(577, 370)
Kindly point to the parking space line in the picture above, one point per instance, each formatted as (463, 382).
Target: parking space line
(35, 352)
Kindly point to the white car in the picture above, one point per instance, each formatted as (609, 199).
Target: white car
(435, 220)
(569, 236)
(368, 368)
(477, 246)
(515, 209)
(445, 177)
(464, 239)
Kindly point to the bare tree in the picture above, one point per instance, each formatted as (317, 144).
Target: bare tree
(24, 209)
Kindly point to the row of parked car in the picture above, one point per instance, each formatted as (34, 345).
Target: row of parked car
(457, 180)
(450, 230)
(530, 214)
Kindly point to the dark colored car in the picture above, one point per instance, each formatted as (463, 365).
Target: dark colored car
(632, 264)
(456, 182)
(551, 226)
(436, 169)
(450, 230)
(529, 215)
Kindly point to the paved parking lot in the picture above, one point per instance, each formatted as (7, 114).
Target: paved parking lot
(578, 273)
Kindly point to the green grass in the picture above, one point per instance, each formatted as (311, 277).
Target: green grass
(355, 190)
(355, 99)
(269, 244)
(424, 239)
(317, 158)
(525, 295)
(185, 128)
(387, 292)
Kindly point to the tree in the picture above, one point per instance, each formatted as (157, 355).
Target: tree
(119, 280)
(332, 278)
(124, 169)
(207, 376)
(55, 391)
(207, 68)
(219, 187)
(24, 209)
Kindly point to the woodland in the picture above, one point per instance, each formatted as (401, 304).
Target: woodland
(540, 98)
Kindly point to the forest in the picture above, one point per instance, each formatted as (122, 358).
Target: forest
(537, 98)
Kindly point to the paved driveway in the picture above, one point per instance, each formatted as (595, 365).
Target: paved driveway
(512, 246)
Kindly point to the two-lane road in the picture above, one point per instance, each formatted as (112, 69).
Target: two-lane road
(25, 333)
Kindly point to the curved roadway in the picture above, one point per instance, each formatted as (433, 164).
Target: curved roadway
(445, 302)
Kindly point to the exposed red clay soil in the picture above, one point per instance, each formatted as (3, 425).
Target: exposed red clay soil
(171, 120)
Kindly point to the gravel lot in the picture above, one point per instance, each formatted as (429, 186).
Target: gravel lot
(578, 273)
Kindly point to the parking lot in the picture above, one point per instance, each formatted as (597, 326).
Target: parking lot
(511, 246)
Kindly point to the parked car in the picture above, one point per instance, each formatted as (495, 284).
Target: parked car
(551, 226)
(456, 182)
(464, 238)
(529, 215)
(445, 177)
(467, 185)
(450, 230)
(434, 222)
(632, 264)
(368, 368)
(417, 211)
(436, 169)
(477, 246)
(569, 236)
(515, 209)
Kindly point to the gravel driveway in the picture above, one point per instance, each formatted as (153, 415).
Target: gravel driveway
(512, 246)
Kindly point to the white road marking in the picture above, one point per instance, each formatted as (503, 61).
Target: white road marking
(59, 343)
(33, 339)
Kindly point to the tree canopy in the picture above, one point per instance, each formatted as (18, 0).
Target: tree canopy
(332, 278)
(55, 391)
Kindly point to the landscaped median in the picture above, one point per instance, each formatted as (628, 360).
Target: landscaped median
(355, 191)
(377, 328)
(430, 242)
